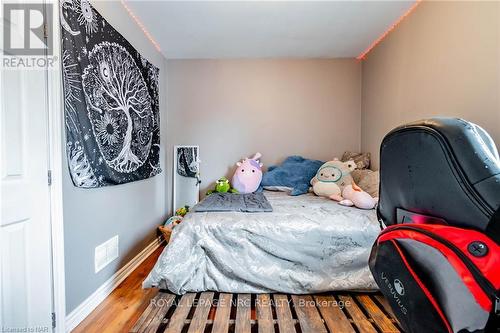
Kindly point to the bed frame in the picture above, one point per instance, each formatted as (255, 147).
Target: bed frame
(221, 312)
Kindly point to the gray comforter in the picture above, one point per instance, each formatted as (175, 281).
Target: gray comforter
(307, 244)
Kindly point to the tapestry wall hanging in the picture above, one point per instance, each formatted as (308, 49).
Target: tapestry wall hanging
(110, 100)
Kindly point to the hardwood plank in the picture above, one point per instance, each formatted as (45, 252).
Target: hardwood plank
(283, 313)
(151, 315)
(221, 321)
(385, 304)
(243, 324)
(176, 323)
(357, 315)
(125, 305)
(146, 316)
(264, 314)
(122, 314)
(164, 304)
(200, 316)
(309, 317)
(383, 323)
(335, 318)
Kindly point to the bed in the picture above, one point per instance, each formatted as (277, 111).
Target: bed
(308, 244)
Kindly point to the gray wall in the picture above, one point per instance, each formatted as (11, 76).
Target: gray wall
(132, 211)
(233, 108)
(444, 59)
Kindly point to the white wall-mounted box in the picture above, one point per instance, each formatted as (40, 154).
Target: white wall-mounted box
(106, 253)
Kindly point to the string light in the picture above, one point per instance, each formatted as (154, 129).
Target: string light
(362, 56)
(139, 23)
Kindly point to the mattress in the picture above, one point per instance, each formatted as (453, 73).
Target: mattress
(308, 244)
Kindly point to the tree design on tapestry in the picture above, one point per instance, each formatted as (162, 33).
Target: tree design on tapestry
(119, 106)
(111, 102)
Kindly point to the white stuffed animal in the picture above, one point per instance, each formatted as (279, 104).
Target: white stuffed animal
(333, 180)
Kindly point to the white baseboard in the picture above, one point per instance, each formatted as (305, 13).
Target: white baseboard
(86, 307)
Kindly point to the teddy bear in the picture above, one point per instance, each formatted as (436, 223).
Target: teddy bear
(333, 180)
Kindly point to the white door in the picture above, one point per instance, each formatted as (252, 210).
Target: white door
(25, 248)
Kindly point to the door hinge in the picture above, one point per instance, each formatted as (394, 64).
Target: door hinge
(53, 320)
(45, 31)
(49, 177)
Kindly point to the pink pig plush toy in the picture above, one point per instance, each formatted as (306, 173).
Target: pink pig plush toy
(248, 175)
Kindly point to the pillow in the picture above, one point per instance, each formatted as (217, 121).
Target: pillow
(368, 180)
(295, 172)
(362, 160)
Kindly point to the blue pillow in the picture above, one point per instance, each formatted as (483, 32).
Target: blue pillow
(295, 172)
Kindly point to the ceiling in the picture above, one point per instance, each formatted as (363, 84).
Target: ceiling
(266, 29)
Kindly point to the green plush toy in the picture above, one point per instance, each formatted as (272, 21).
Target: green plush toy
(182, 211)
(222, 186)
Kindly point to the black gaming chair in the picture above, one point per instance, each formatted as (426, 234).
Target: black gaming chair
(446, 168)
(438, 260)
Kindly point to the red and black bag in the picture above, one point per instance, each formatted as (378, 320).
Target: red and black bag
(439, 278)
(438, 261)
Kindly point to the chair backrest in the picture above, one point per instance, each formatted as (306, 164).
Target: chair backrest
(440, 170)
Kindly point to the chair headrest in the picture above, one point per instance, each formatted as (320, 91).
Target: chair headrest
(447, 168)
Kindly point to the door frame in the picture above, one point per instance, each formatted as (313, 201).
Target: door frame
(56, 151)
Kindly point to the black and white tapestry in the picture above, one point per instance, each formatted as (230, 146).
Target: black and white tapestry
(110, 100)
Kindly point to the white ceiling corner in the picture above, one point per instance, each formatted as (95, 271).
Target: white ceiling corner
(266, 29)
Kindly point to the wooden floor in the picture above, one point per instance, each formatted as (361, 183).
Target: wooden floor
(121, 309)
(129, 308)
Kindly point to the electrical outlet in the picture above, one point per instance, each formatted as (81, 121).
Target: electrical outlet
(106, 253)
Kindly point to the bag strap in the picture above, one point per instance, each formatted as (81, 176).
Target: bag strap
(493, 322)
